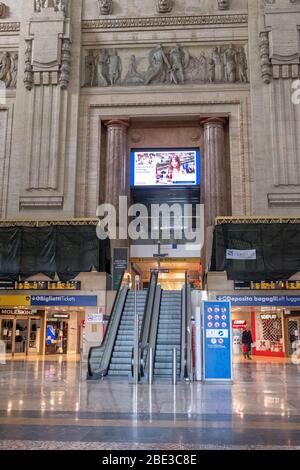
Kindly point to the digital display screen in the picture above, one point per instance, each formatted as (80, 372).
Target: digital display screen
(165, 167)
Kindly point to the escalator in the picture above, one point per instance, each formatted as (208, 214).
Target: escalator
(171, 328)
(168, 334)
(164, 324)
(114, 357)
(120, 364)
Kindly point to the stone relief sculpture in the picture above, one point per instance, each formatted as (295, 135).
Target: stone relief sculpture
(180, 59)
(57, 5)
(230, 61)
(133, 77)
(158, 63)
(219, 64)
(242, 66)
(114, 68)
(105, 7)
(175, 65)
(223, 4)
(102, 68)
(9, 69)
(164, 6)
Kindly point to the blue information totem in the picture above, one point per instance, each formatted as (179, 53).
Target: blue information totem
(217, 341)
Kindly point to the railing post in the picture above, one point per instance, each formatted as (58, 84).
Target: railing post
(136, 334)
(150, 379)
(174, 375)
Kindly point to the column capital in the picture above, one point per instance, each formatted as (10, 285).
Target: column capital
(213, 121)
(117, 123)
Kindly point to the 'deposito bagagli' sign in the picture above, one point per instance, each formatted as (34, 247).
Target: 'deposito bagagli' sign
(217, 341)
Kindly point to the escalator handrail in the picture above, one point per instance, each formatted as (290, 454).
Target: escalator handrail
(186, 339)
(153, 328)
(146, 324)
(183, 357)
(112, 319)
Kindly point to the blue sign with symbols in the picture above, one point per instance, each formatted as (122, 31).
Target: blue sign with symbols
(64, 300)
(217, 341)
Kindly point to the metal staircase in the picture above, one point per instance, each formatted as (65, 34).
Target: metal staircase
(120, 363)
(168, 334)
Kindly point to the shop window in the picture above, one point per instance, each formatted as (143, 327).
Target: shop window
(269, 332)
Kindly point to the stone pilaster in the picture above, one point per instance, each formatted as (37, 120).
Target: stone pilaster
(116, 161)
(215, 178)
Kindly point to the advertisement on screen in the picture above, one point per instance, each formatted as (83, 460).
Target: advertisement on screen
(173, 167)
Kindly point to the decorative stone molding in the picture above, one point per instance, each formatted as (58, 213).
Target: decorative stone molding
(175, 65)
(48, 57)
(10, 27)
(105, 7)
(9, 69)
(284, 200)
(65, 70)
(32, 202)
(47, 76)
(279, 43)
(161, 21)
(28, 74)
(164, 6)
(223, 4)
(266, 67)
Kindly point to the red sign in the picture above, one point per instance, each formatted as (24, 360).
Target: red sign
(238, 324)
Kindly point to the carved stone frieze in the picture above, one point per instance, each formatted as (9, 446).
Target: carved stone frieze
(160, 21)
(10, 27)
(9, 69)
(175, 65)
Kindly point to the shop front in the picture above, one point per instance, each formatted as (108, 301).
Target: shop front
(47, 325)
(21, 331)
(274, 321)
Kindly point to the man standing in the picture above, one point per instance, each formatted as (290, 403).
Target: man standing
(246, 342)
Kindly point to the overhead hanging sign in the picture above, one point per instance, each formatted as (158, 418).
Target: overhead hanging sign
(217, 341)
(241, 254)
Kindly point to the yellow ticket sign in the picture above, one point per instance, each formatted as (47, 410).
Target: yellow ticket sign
(14, 300)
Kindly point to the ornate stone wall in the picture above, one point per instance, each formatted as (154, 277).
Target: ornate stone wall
(69, 67)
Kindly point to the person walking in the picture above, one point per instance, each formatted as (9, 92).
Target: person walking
(246, 342)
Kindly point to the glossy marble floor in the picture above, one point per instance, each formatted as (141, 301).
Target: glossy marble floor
(45, 405)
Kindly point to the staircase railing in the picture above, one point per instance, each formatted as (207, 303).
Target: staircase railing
(104, 351)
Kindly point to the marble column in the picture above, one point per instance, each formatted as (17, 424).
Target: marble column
(116, 161)
(215, 178)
